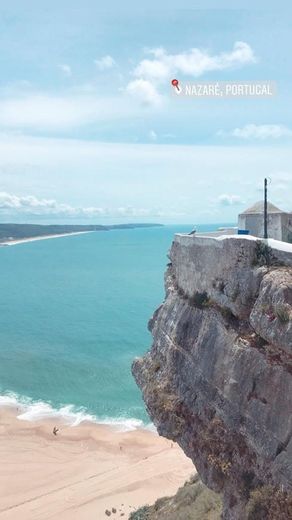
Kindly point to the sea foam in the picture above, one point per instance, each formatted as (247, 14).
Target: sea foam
(30, 410)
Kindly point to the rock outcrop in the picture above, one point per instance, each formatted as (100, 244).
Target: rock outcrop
(193, 501)
(218, 379)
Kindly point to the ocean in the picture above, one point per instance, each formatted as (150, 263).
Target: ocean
(73, 315)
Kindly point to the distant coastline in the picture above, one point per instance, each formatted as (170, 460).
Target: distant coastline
(12, 234)
(14, 242)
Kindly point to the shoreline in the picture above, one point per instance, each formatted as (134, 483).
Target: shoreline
(27, 409)
(84, 470)
(41, 237)
(93, 228)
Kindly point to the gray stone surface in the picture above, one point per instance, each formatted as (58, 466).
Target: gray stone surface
(271, 315)
(218, 377)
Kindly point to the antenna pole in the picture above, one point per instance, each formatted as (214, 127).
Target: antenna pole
(265, 209)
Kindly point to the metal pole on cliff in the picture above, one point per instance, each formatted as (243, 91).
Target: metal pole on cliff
(266, 210)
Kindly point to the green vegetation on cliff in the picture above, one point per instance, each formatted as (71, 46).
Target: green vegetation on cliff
(193, 501)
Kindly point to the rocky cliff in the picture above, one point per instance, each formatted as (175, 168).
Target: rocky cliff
(218, 378)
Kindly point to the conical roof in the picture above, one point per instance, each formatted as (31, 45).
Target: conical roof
(258, 207)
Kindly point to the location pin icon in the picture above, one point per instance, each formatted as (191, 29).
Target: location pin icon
(175, 83)
(176, 86)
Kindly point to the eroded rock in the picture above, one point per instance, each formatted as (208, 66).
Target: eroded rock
(218, 377)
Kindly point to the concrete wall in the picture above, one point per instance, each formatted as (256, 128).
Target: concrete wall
(255, 224)
(226, 268)
(287, 227)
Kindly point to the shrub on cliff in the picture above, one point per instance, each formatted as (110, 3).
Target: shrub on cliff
(142, 514)
(193, 501)
(269, 503)
(264, 255)
(200, 300)
(282, 312)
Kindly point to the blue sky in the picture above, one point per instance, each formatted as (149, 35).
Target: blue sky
(90, 132)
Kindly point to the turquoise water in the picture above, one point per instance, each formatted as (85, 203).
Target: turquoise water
(73, 315)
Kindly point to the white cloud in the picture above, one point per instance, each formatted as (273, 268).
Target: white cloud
(41, 111)
(282, 177)
(281, 184)
(152, 135)
(152, 72)
(31, 205)
(229, 200)
(81, 105)
(91, 174)
(66, 70)
(144, 92)
(104, 63)
(194, 62)
(262, 132)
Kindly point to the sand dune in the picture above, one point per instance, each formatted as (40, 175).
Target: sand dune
(82, 471)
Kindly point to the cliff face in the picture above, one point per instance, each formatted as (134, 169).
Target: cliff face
(218, 377)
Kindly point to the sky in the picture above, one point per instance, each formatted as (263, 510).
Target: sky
(91, 132)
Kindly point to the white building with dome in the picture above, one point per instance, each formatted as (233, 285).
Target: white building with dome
(279, 222)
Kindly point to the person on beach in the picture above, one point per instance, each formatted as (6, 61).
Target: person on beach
(55, 430)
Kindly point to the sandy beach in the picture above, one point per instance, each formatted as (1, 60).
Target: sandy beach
(44, 237)
(82, 471)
